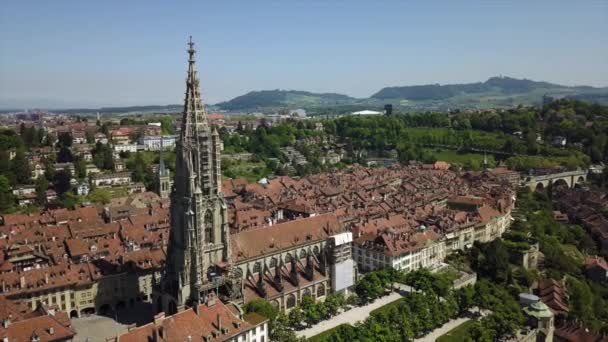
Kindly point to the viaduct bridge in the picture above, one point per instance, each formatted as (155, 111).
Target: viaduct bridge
(568, 178)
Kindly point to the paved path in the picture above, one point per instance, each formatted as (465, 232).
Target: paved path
(442, 330)
(349, 317)
(96, 328)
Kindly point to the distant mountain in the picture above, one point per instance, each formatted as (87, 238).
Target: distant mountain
(496, 92)
(285, 98)
(495, 85)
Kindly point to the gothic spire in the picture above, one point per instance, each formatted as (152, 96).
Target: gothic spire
(195, 118)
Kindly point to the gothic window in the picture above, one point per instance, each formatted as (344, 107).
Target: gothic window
(209, 238)
(256, 267)
(306, 293)
(273, 262)
(288, 258)
(315, 250)
(303, 254)
(291, 301)
(321, 290)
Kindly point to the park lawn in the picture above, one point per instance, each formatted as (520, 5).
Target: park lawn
(387, 307)
(451, 156)
(322, 337)
(459, 333)
(252, 171)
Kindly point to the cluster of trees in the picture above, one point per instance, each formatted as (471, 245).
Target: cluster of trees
(103, 156)
(420, 312)
(140, 163)
(278, 323)
(265, 143)
(310, 312)
(382, 132)
(32, 136)
(579, 122)
(432, 304)
(564, 246)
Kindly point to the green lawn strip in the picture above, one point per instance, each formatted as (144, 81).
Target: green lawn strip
(387, 307)
(459, 333)
(327, 333)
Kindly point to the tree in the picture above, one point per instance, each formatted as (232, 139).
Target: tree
(280, 331)
(166, 123)
(465, 297)
(138, 168)
(64, 155)
(278, 323)
(263, 307)
(62, 182)
(21, 168)
(479, 333)
(369, 288)
(310, 310)
(51, 139)
(42, 185)
(5, 166)
(296, 316)
(70, 200)
(581, 300)
(49, 170)
(80, 168)
(334, 302)
(100, 196)
(64, 140)
(7, 200)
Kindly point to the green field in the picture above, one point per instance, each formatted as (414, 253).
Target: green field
(460, 333)
(252, 171)
(452, 156)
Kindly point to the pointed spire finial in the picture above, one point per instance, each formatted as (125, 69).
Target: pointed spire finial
(191, 50)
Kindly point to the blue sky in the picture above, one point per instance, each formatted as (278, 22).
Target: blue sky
(114, 53)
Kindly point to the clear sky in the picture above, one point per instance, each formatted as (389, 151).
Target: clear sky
(114, 53)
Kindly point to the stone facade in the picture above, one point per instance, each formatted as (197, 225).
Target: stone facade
(199, 238)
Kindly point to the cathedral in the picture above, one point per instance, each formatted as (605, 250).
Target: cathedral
(198, 255)
(281, 263)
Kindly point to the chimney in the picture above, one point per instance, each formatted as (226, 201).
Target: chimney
(6, 322)
(46, 277)
(22, 282)
(51, 331)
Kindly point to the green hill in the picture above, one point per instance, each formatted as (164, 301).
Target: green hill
(285, 98)
(494, 85)
(496, 92)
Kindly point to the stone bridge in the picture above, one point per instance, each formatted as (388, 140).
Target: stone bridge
(568, 178)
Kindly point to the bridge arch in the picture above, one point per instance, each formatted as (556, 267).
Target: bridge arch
(560, 182)
(540, 186)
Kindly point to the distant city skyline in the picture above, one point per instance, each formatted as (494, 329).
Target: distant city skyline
(68, 54)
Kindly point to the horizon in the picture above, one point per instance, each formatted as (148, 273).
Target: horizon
(66, 55)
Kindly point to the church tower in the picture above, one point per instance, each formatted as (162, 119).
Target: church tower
(199, 247)
(164, 176)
